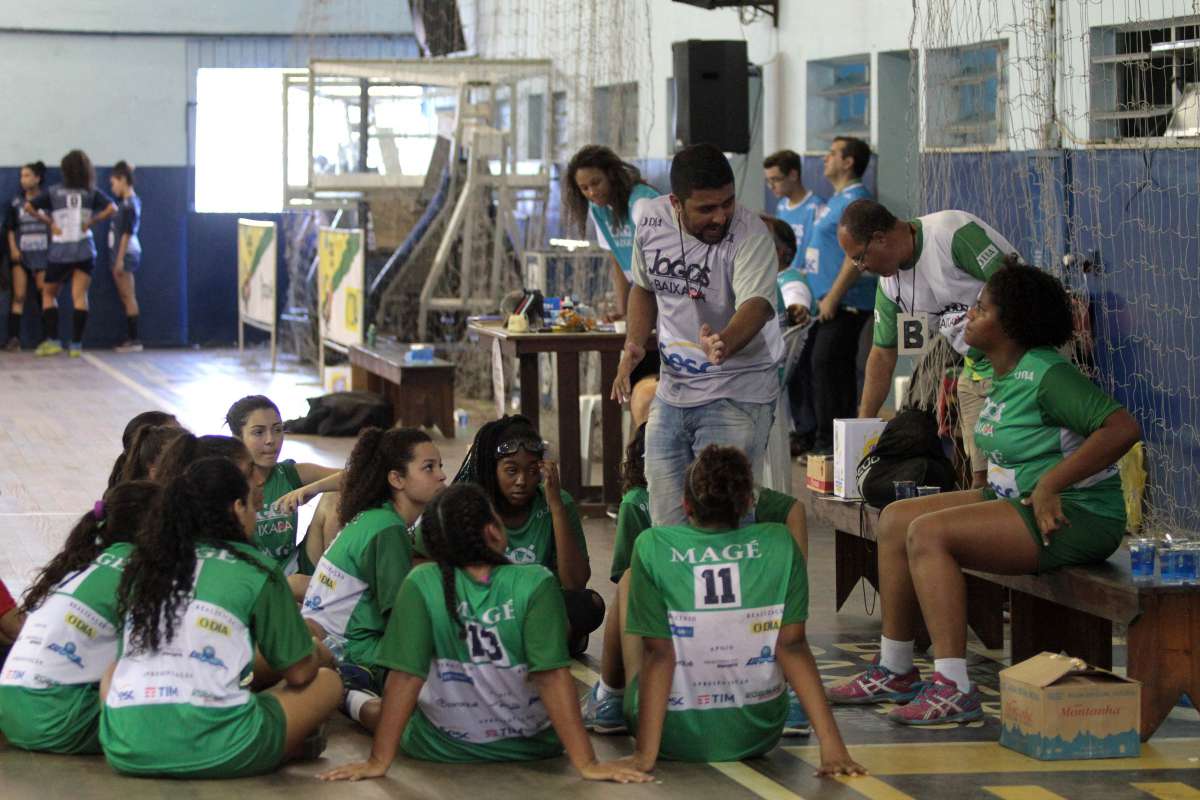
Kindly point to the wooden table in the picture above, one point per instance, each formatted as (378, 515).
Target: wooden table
(526, 347)
(421, 393)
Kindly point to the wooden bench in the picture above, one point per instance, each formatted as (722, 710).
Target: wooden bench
(1071, 609)
(422, 394)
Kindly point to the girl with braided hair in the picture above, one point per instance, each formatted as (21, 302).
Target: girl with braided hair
(508, 460)
(198, 599)
(713, 616)
(138, 422)
(188, 448)
(149, 443)
(476, 649)
(389, 478)
(50, 688)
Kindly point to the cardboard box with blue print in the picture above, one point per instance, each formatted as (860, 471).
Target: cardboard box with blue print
(1055, 708)
(852, 439)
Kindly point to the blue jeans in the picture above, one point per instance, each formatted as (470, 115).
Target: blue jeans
(675, 436)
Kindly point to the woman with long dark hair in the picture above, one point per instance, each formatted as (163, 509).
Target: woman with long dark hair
(28, 243)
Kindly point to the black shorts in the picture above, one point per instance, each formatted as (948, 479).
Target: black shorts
(57, 273)
(647, 368)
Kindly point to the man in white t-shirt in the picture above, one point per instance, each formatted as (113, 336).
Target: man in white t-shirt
(933, 266)
(705, 268)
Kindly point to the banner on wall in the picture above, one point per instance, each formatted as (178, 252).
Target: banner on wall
(256, 272)
(340, 277)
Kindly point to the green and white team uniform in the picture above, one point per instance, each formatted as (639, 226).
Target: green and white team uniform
(275, 531)
(50, 685)
(185, 709)
(478, 702)
(721, 598)
(633, 517)
(955, 253)
(355, 585)
(1035, 416)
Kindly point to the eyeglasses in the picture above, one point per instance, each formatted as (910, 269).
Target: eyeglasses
(860, 261)
(530, 445)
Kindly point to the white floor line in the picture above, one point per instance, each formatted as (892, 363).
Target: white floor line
(158, 400)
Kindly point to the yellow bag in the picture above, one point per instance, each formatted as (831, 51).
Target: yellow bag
(1133, 484)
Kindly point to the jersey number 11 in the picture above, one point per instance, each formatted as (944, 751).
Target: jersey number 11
(718, 586)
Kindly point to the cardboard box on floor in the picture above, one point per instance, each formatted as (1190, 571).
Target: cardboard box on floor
(1054, 707)
(852, 440)
(820, 474)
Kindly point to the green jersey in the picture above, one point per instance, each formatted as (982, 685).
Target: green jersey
(186, 706)
(1037, 415)
(721, 598)
(533, 542)
(954, 255)
(478, 702)
(50, 686)
(354, 587)
(633, 517)
(275, 532)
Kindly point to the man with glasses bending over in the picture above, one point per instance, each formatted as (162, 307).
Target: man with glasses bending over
(705, 268)
(932, 267)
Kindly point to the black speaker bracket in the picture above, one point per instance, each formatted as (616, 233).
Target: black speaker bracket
(769, 7)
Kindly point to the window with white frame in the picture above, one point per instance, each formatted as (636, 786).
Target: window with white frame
(1145, 80)
(965, 91)
(615, 117)
(839, 100)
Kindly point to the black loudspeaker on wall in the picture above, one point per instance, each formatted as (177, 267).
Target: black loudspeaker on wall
(712, 94)
(437, 26)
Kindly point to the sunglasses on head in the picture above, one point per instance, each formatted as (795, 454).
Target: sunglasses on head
(510, 447)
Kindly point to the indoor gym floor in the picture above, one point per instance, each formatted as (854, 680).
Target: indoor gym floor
(60, 427)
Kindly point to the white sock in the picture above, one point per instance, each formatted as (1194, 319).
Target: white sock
(895, 656)
(954, 669)
(604, 691)
(355, 700)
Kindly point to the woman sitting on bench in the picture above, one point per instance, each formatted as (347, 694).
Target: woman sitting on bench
(1053, 499)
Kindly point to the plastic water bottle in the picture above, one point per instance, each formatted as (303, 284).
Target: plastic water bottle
(335, 647)
(371, 333)
(461, 419)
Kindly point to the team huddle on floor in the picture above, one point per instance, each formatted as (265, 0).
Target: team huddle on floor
(443, 618)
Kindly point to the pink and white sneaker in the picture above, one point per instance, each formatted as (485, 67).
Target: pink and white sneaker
(939, 701)
(877, 685)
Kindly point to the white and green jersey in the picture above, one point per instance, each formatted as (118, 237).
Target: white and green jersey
(49, 688)
(721, 598)
(355, 584)
(955, 253)
(478, 702)
(186, 706)
(275, 531)
(1037, 415)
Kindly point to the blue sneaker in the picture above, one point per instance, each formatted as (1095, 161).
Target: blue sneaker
(603, 716)
(797, 723)
(355, 677)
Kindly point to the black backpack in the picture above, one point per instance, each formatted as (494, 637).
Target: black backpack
(342, 414)
(909, 449)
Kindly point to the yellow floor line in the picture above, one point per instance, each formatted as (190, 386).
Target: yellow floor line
(1022, 793)
(873, 789)
(965, 758)
(161, 403)
(1169, 791)
(754, 780)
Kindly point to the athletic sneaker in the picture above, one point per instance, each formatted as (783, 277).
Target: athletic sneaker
(603, 716)
(75, 350)
(128, 347)
(797, 723)
(939, 701)
(48, 348)
(13, 345)
(876, 685)
(355, 677)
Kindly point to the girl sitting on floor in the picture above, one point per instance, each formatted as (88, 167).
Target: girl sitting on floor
(188, 448)
(149, 443)
(131, 429)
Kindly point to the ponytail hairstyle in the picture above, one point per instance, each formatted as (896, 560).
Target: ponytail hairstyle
(188, 448)
(123, 169)
(195, 508)
(633, 468)
(240, 411)
(452, 529)
(114, 519)
(479, 467)
(131, 429)
(148, 444)
(376, 453)
(719, 488)
(38, 168)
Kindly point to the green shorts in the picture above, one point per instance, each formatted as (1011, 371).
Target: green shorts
(1089, 539)
(57, 719)
(260, 756)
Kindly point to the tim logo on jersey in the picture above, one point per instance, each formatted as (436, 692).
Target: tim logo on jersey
(678, 276)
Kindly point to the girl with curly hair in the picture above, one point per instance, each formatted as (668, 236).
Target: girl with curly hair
(50, 688)
(390, 477)
(1052, 440)
(198, 600)
(476, 649)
